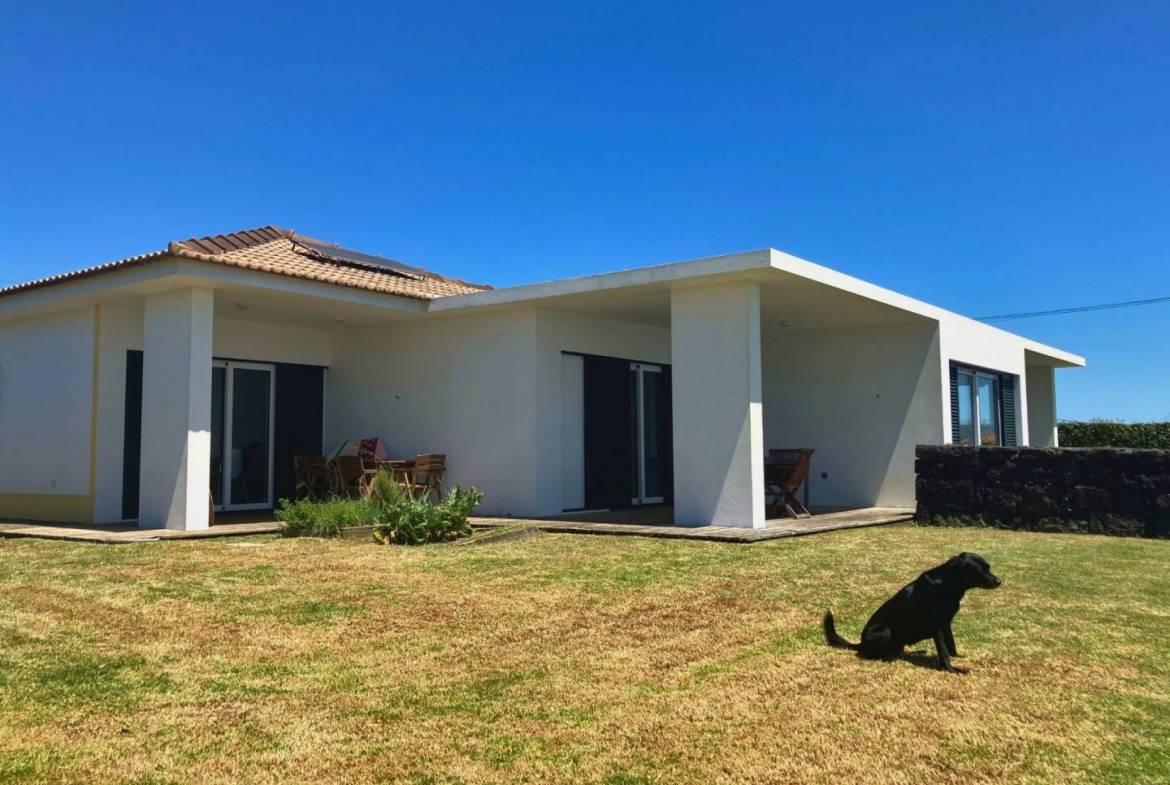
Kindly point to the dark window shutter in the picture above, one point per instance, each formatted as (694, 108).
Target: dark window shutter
(608, 433)
(954, 404)
(132, 435)
(1007, 387)
(300, 407)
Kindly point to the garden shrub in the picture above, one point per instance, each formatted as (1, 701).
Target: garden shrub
(404, 520)
(1107, 433)
(396, 516)
(324, 518)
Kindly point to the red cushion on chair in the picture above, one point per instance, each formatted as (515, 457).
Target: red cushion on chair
(367, 448)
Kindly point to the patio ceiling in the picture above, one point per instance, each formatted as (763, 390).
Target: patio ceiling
(265, 305)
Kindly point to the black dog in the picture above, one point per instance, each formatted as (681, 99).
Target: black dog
(922, 609)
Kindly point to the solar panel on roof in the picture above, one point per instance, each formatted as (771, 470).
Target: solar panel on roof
(358, 258)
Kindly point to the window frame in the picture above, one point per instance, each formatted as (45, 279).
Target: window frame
(1000, 415)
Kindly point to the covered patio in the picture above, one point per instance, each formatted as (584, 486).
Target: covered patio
(736, 357)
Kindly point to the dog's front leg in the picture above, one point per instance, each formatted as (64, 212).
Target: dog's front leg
(949, 639)
(944, 655)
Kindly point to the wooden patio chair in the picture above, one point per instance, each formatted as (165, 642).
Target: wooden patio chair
(427, 474)
(313, 477)
(784, 472)
(349, 476)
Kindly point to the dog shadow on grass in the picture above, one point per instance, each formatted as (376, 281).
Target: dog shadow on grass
(923, 659)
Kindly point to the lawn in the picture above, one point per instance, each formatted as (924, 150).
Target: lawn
(575, 659)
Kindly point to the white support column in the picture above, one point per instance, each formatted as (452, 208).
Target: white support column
(176, 410)
(718, 405)
(1040, 389)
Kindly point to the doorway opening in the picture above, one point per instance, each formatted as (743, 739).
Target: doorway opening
(616, 433)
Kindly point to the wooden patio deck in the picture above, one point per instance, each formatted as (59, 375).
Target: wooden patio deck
(643, 522)
(122, 533)
(659, 522)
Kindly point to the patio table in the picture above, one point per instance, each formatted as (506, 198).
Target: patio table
(397, 468)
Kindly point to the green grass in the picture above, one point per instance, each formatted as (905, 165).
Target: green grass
(575, 659)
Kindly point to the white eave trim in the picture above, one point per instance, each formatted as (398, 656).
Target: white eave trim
(1060, 358)
(641, 276)
(155, 277)
(746, 262)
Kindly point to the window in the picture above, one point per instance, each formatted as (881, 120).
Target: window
(983, 407)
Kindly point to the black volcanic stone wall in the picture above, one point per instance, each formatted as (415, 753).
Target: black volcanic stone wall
(1094, 491)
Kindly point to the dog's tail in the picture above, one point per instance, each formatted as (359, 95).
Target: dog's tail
(831, 635)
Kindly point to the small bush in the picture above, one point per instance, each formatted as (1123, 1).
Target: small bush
(395, 515)
(1107, 433)
(323, 519)
(403, 520)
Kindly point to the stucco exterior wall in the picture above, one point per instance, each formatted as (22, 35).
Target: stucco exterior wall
(46, 413)
(463, 386)
(122, 331)
(973, 343)
(270, 342)
(863, 398)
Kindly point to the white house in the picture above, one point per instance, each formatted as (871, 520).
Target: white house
(129, 389)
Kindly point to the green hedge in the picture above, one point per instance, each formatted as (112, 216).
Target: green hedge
(1106, 433)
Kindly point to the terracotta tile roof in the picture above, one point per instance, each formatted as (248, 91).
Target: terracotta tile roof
(283, 252)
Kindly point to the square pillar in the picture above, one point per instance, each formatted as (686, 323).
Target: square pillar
(718, 405)
(1040, 391)
(176, 410)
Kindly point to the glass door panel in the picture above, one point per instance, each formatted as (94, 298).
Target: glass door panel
(645, 447)
(218, 391)
(988, 411)
(251, 441)
(651, 436)
(241, 435)
(966, 434)
(635, 430)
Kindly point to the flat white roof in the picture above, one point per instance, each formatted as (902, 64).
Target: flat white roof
(749, 264)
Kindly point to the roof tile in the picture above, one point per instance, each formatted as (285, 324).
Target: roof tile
(269, 249)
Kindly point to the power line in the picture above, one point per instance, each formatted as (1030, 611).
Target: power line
(1003, 317)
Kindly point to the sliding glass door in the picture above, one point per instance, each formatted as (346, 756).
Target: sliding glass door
(242, 405)
(645, 425)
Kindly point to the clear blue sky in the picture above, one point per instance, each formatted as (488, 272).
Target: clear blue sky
(986, 157)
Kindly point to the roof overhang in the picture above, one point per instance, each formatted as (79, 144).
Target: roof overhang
(1040, 354)
(171, 272)
(802, 294)
(776, 271)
